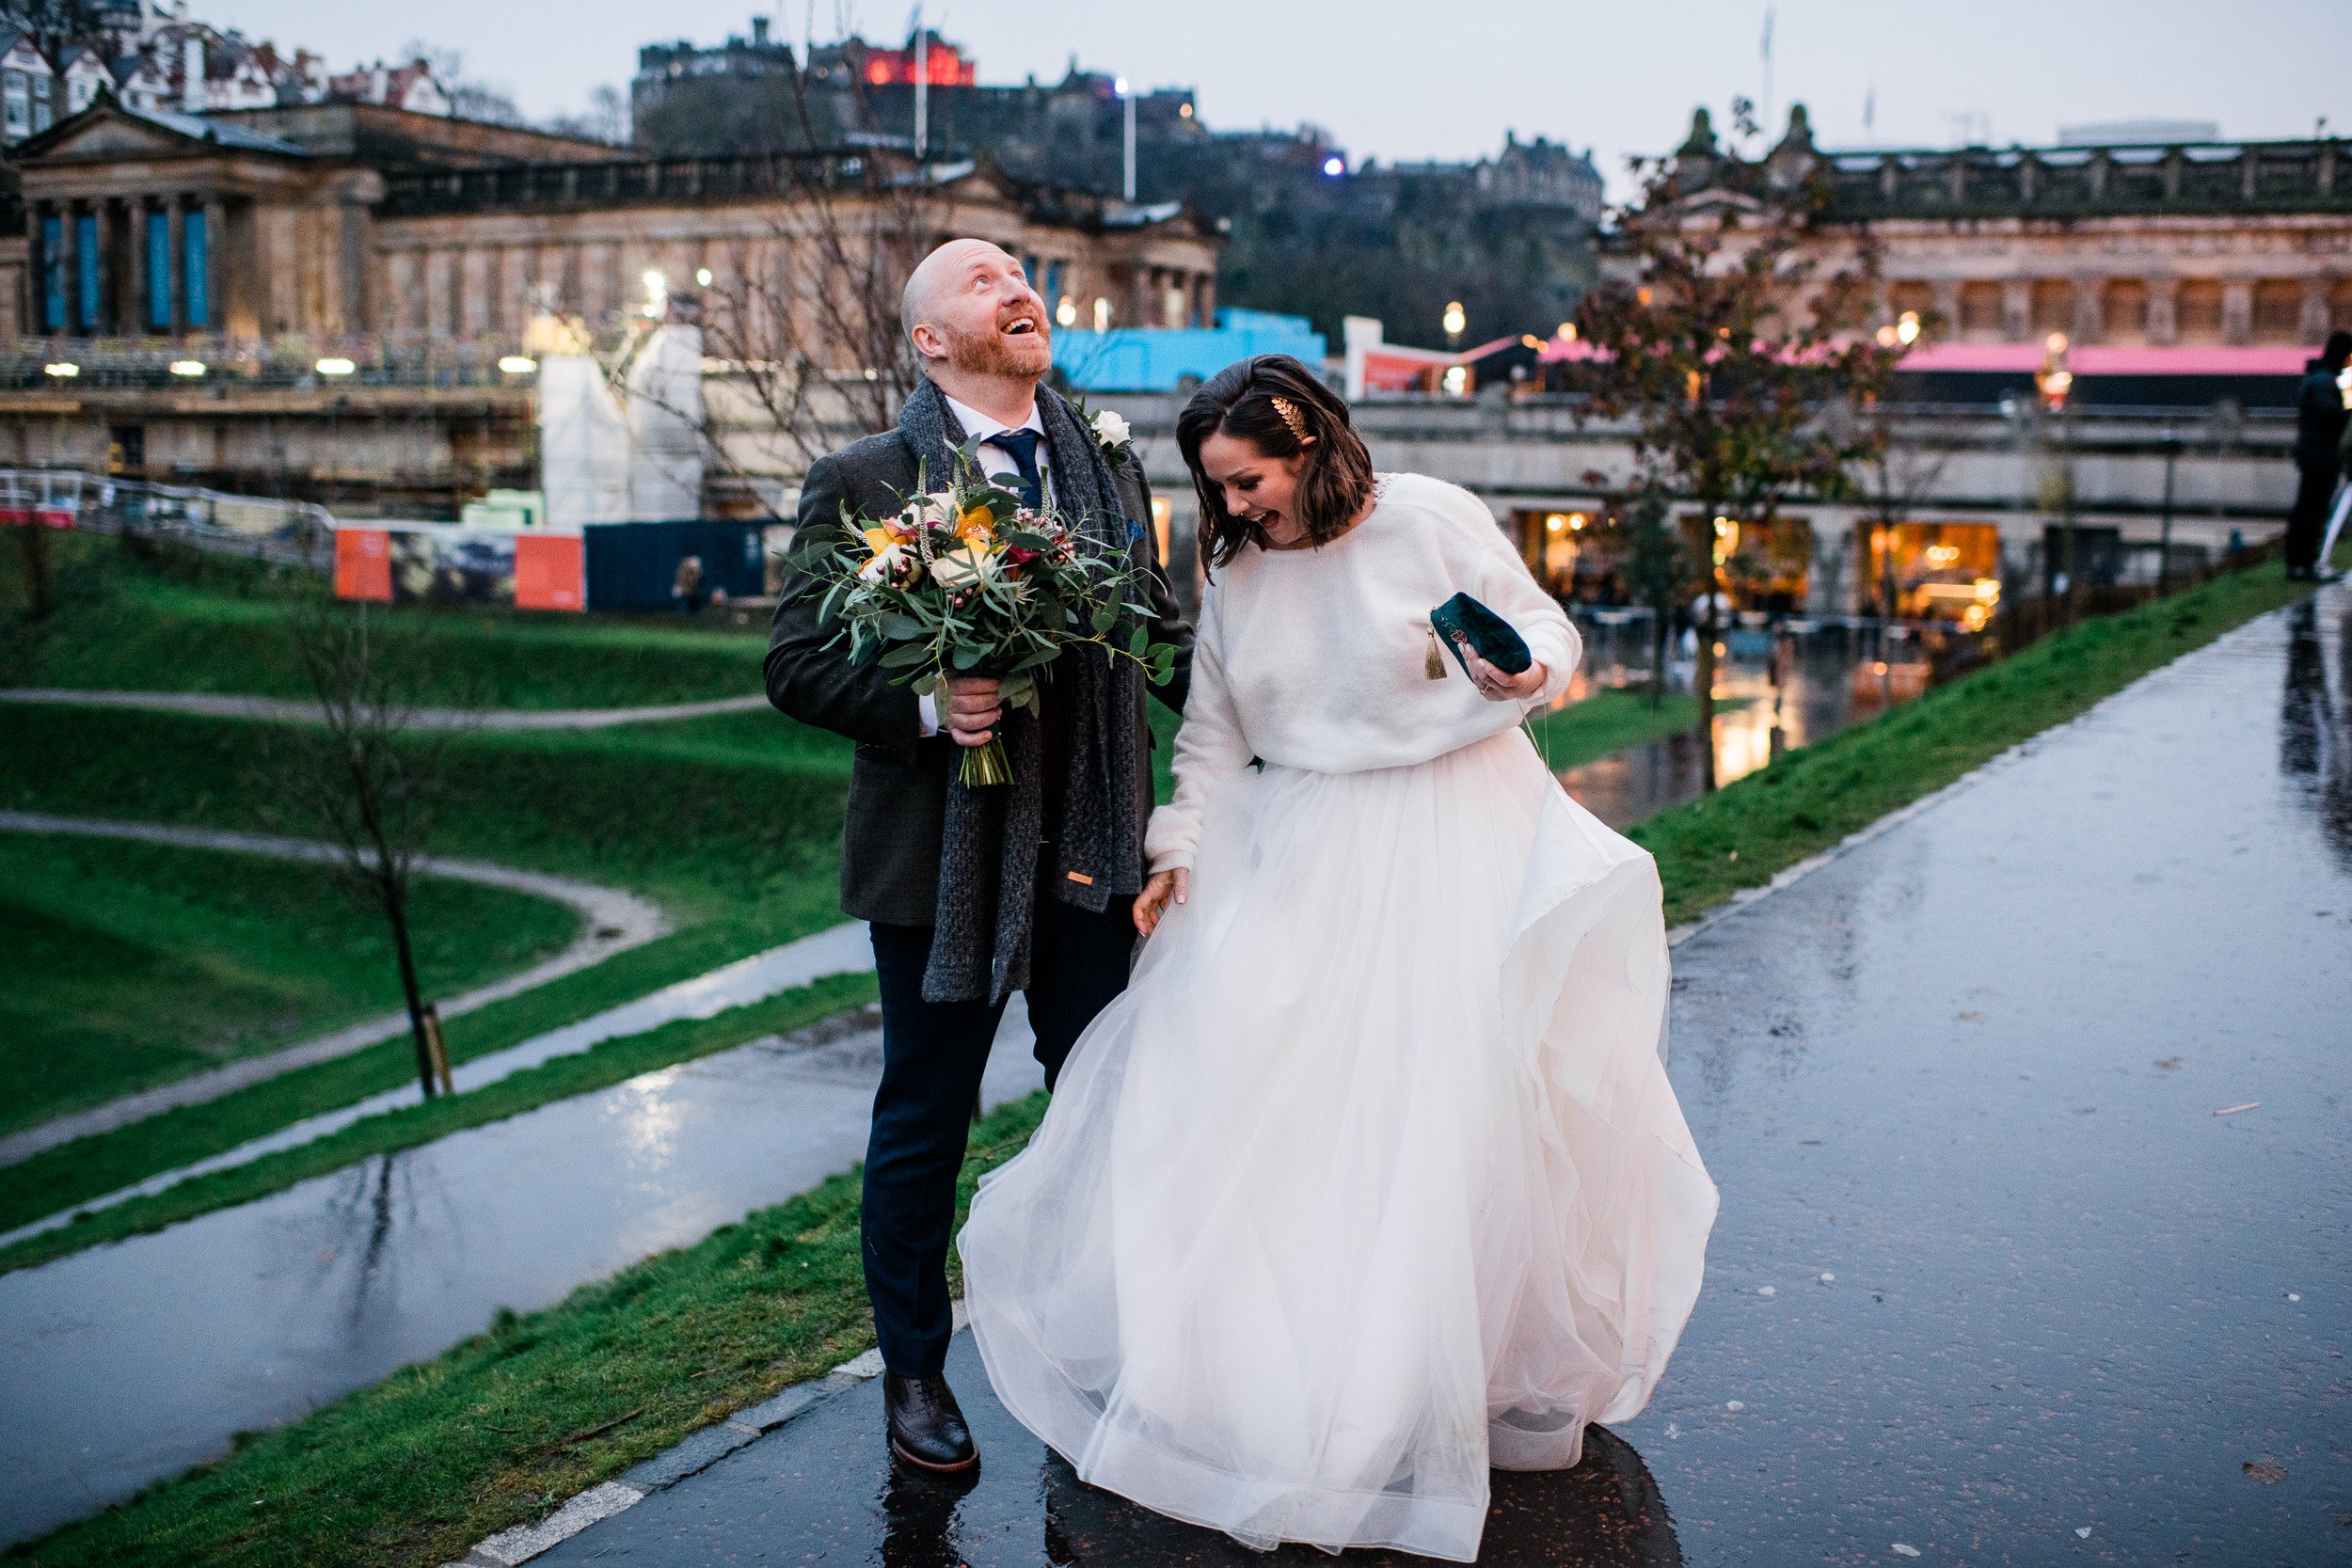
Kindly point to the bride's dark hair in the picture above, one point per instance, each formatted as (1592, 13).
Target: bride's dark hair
(1246, 401)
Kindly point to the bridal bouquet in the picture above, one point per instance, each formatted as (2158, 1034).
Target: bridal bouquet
(970, 580)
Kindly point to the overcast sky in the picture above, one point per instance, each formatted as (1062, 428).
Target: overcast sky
(1446, 78)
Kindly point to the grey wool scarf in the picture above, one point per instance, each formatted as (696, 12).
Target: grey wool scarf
(987, 853)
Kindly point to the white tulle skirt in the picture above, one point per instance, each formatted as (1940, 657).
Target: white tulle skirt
(1371, 1180)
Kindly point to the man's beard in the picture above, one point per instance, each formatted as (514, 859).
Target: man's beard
(991, 353)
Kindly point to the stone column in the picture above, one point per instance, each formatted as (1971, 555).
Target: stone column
(2313, 322)
(2237, 312)
(436, 312)
(70, 267)
(1946, 302)
(2164, 318)
(176, 259)
(134, 275)
(216, 263)
(2016, 310)
(2089, 317)
(101, 213)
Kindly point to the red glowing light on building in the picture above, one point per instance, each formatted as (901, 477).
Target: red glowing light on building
(944, 66)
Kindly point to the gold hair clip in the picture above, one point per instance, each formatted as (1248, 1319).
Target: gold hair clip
(1290, 417)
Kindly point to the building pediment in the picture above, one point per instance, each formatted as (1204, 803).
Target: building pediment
(109, 131)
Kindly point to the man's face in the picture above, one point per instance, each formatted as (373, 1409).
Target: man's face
(983, 317)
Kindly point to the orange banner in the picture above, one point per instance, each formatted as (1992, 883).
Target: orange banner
(549, 572)
(363, 564)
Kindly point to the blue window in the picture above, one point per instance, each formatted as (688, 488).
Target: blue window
(53, 273)
(158, 271)
(86, 269)
(1053, 283)
(200, 281)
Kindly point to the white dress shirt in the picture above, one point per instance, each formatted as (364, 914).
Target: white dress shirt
(996, 462)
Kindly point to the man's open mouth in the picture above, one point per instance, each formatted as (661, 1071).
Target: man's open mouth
(1020, 326)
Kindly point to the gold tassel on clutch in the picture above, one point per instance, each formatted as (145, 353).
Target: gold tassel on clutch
(1433, 663)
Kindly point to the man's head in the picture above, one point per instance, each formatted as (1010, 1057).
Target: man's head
(968, 309)
(2338, 350)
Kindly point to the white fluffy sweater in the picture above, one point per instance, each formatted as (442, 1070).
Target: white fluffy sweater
(1316, 658)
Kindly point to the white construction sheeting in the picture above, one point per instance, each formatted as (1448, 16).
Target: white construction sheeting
(665, 418)
(584, 444)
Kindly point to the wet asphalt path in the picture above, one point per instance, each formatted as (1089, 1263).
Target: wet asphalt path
(1992, 1282)
(125, 1363)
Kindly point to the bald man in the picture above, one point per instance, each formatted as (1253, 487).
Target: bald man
(931, 865)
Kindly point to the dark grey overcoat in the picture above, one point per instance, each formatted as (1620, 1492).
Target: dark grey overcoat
(898, 777)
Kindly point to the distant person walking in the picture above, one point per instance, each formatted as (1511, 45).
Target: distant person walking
(2319, 427)
(686, 588)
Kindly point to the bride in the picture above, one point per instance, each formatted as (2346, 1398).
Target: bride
(1373, 1178)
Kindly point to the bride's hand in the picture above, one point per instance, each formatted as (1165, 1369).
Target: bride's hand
(1152, 901)
(1496, 685)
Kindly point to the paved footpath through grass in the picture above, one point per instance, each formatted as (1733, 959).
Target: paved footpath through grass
(2027, 1116)
(840, 950)
(121, 1365)
(501, 1428)
(611, 921)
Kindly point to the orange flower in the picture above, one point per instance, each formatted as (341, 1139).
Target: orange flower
(978, 525)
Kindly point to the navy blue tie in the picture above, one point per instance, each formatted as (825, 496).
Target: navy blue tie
(1021, 445)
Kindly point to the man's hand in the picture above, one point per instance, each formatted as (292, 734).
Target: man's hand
(972, 709)
(1493, 684)
(1153, 900)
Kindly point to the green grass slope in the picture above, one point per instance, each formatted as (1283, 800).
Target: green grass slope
(125, 964)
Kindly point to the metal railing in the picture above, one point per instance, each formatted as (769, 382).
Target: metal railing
(293, 533)
(66, 365)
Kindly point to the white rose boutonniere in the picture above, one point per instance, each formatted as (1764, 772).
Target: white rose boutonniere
(1113, 432)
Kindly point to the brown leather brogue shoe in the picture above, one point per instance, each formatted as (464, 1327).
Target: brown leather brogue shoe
(927, 1428)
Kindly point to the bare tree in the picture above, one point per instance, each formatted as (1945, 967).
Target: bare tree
(804, 317)
(1733, 352)
(1897, 474)
(605, 119)
(365, 778)
(469, 98)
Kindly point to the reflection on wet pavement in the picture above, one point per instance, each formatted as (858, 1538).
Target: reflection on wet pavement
(824, 1489)
(128, 1362)
(842, 949)
(2028, 1119)
(2027, 1116)
(1754, 721)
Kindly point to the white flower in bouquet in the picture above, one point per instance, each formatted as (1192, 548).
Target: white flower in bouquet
(963, 568)
(886, 564)
(1111, 430)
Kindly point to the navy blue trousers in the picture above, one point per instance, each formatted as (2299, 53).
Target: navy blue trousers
(933, 1055)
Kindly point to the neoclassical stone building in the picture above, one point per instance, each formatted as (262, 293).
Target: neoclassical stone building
(2188, 245)
(343, 219)
(329, 299)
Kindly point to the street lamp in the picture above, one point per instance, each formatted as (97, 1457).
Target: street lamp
(2054, 381)
(1128, 103)
(2164, 543)
(335, 365)
(1454, 323)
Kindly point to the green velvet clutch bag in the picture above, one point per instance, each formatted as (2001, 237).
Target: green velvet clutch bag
(1462, 618)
